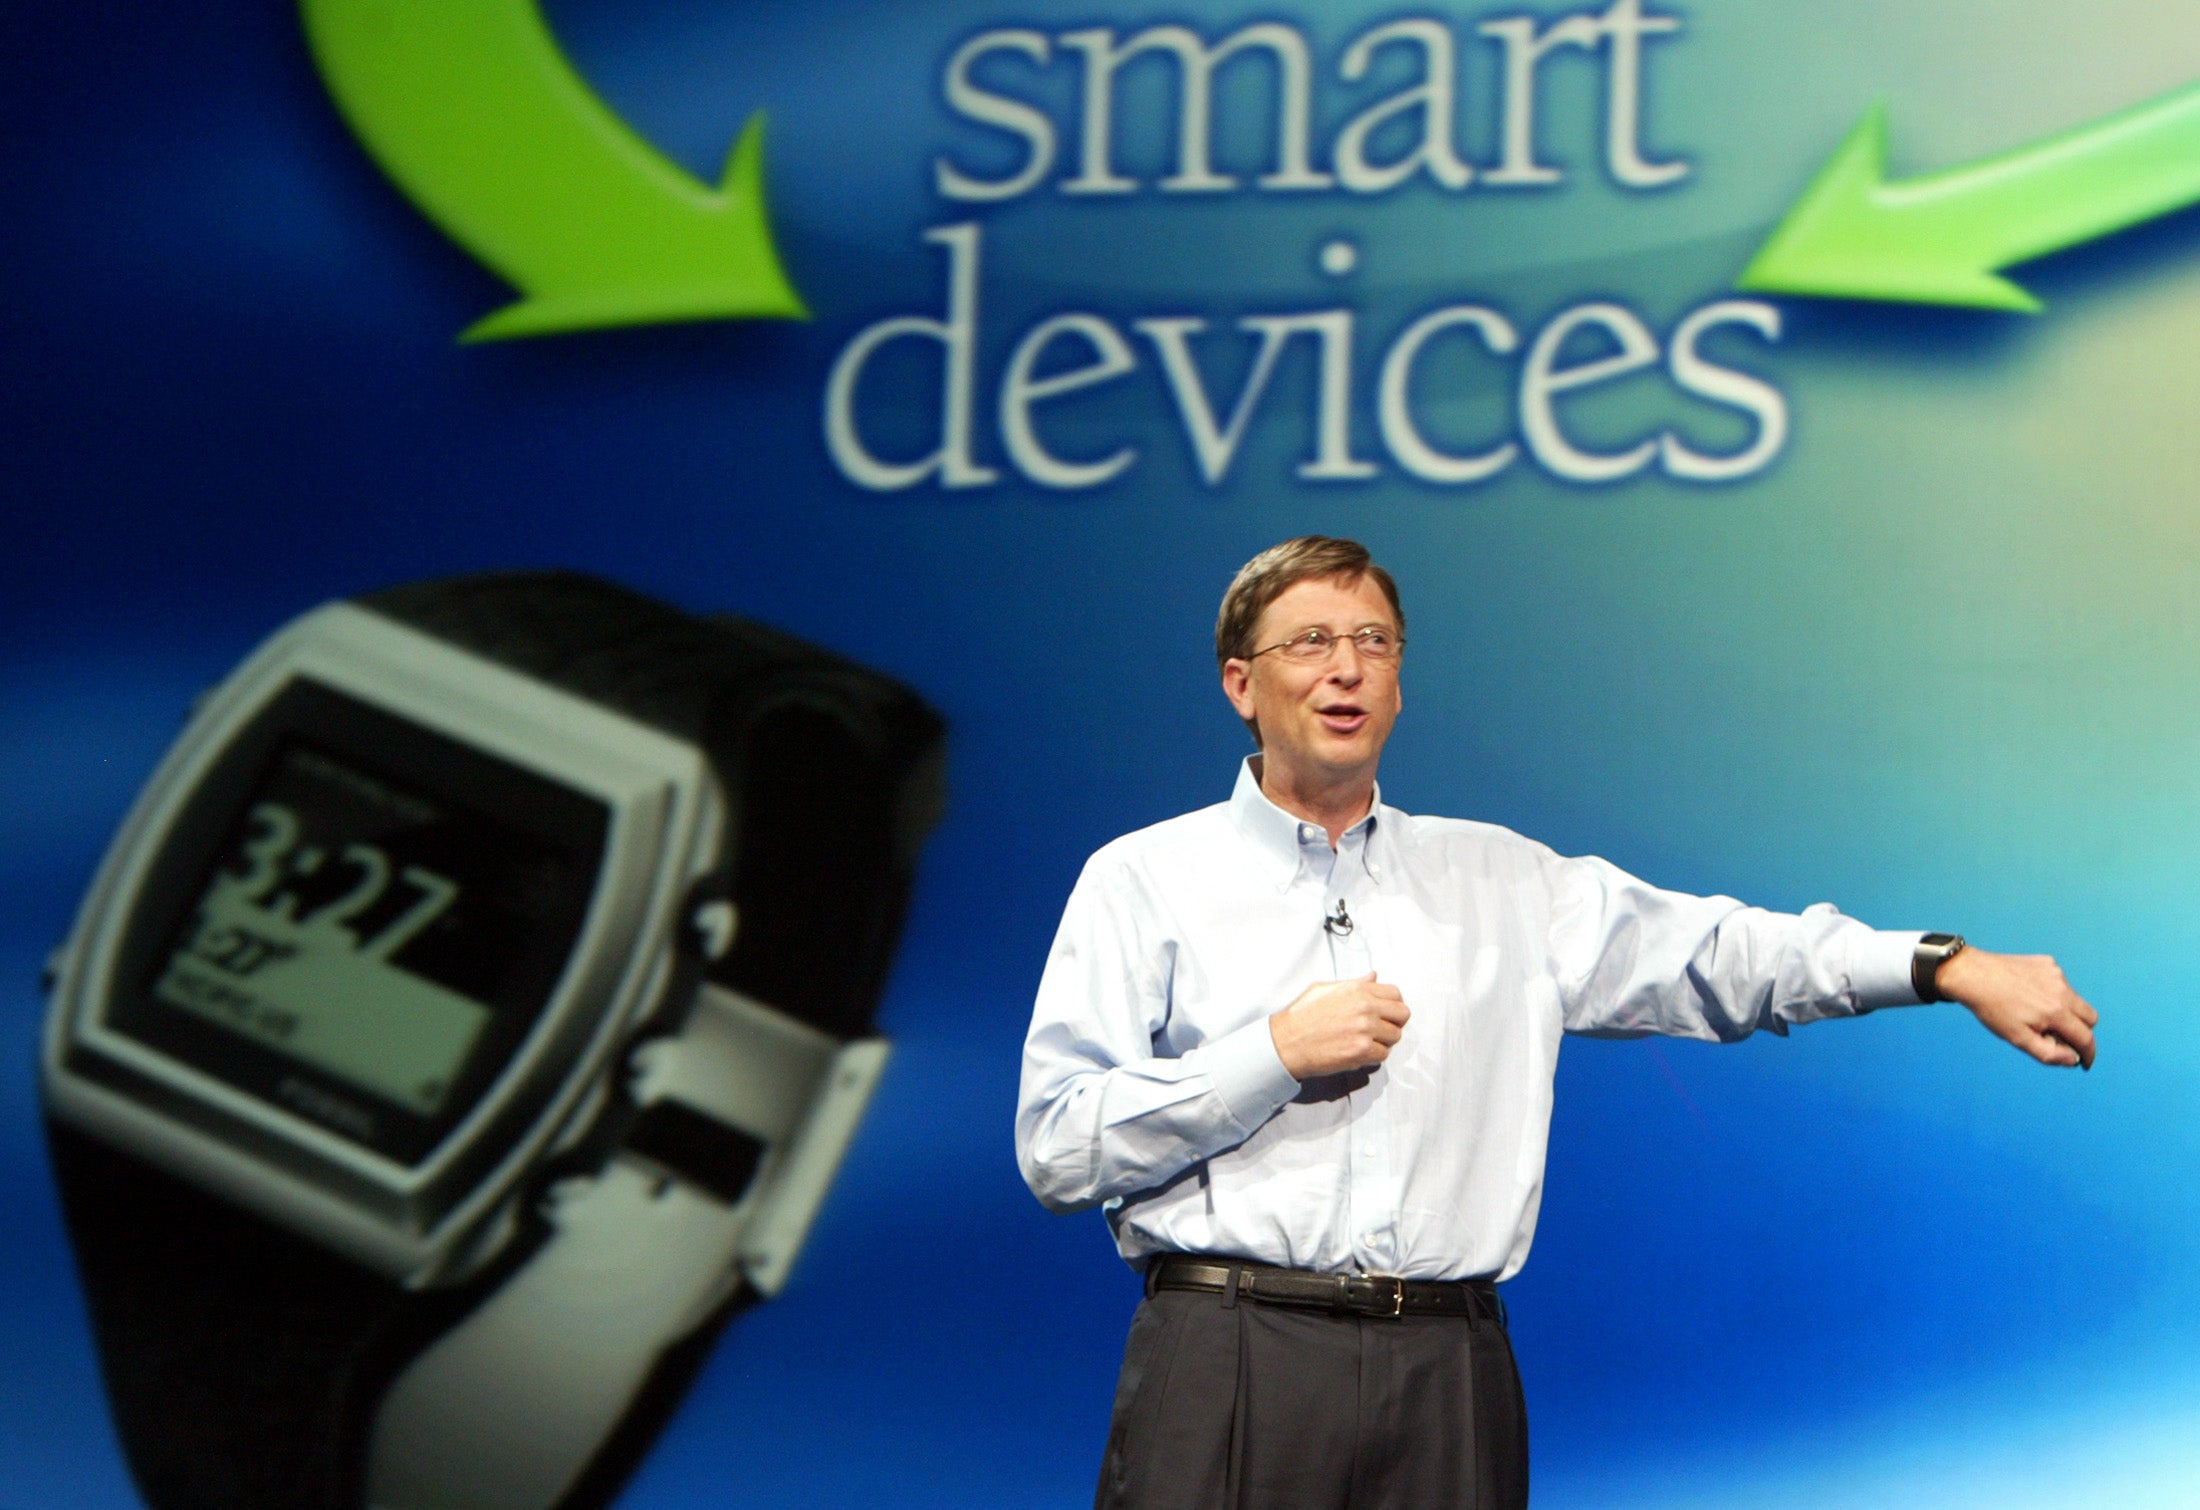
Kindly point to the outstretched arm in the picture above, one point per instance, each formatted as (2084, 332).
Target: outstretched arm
(2024, 999)
(1632, 959)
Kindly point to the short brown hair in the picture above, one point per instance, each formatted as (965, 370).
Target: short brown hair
(1276, 570)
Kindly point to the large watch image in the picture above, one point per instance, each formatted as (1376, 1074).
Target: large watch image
(467, 1020)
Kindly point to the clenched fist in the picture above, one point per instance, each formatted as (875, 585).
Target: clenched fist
(2024, 999)
(1338, 1025)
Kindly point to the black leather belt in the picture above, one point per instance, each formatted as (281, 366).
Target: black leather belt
(1381, 1295)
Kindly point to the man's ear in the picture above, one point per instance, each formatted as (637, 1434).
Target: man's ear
(1237, 685)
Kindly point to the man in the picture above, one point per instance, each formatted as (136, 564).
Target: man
(1299, 1046)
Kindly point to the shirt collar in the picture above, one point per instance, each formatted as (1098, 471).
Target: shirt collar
(1274, 833)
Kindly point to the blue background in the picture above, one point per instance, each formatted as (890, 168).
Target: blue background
(1936, 665)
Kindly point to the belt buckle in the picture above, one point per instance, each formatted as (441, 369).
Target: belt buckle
(1361, 1294)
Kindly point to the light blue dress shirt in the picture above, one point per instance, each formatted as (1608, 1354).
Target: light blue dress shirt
(1151, 1085)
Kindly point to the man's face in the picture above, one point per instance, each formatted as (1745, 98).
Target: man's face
(1326, 721)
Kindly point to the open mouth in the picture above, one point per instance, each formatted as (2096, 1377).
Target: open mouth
(1342, 718)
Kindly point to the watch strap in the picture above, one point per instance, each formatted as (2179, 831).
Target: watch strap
(242, 1363)
(1933, 950)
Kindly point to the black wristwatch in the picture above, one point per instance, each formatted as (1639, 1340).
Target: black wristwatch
(467, 1020)
(1933, 951)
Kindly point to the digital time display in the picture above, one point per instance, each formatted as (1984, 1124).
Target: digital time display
(299, 931)
(365, 947)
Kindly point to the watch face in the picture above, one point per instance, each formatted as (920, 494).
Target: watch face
(359, 920)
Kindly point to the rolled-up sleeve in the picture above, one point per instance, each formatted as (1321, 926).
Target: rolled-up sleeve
(1632, 960)
(1099, 1113)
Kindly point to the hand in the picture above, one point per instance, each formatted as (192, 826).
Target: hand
(1337, 1025)
(2023, 998)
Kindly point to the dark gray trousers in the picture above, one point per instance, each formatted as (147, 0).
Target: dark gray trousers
(1248, 1406)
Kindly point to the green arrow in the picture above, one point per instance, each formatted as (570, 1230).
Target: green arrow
(1939, 239)
(472, 109)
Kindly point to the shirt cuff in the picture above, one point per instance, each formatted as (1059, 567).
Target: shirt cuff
(1249, 1075)
(1879, 974)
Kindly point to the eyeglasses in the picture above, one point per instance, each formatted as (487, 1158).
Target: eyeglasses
(1311, 645)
